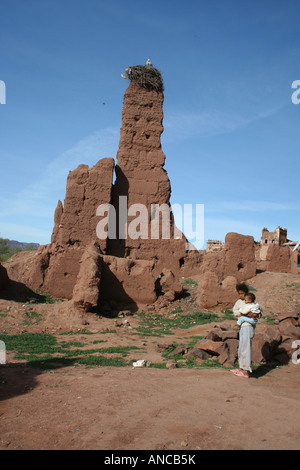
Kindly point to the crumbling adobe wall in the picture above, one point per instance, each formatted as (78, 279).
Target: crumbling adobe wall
(222, 270)
(122, 270)
(237, 258)
(87, 188)
(278, 259)
(57, 264)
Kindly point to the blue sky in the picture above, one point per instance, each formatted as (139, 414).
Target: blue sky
(231, 132)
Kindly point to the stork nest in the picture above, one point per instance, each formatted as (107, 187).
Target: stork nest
(147, 76)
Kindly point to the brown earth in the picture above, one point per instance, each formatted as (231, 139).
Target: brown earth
(126, 408)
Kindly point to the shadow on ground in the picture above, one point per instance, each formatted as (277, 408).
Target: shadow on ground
(20, 378)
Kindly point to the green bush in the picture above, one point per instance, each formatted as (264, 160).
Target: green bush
(5, 251)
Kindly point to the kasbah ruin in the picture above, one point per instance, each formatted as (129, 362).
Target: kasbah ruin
(98, 281)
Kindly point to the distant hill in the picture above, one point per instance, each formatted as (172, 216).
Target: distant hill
(10, 247)
(22, 245)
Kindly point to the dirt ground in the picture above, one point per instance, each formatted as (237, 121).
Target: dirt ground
(126, 408)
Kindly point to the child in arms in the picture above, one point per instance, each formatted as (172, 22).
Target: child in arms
(251, 311)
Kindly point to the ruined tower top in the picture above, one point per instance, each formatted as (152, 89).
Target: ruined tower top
(140, 175)
(146, 76)
(278, 237)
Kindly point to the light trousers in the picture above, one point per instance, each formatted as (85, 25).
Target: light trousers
(245, 347)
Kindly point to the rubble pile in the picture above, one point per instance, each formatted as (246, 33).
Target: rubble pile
(271, 343)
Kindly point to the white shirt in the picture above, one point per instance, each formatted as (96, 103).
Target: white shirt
(239, 304)
(254, 307)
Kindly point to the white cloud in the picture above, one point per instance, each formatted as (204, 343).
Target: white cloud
(40, 197)
(180, 125)
(25, 212)
(87, 151)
